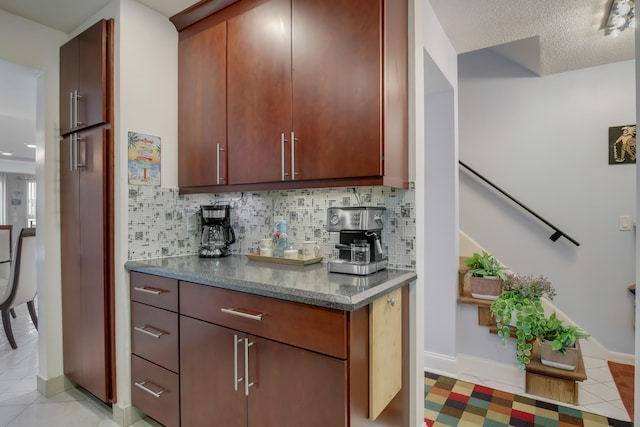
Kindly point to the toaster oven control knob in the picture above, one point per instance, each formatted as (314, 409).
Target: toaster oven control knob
(335, 219)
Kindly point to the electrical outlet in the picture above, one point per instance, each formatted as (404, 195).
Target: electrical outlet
(191, 221)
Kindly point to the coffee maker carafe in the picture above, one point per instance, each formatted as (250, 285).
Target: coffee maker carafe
(360, 247)
(217, 233)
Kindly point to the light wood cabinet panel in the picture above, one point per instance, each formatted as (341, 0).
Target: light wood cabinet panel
(385, 351)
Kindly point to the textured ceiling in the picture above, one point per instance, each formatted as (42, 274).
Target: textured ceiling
(569, 33)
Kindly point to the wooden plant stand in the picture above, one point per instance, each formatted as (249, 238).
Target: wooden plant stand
(554, 383)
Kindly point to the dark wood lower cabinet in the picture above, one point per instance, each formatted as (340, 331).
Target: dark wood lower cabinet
(231, 375)
(287, 385)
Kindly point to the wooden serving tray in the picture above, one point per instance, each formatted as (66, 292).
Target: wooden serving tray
(281, 260)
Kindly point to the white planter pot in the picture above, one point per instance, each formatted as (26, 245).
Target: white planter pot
(556, 359)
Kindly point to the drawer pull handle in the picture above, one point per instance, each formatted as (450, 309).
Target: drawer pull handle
(391, 302)
(235, 312)
(146, 290)
(144, 330)
(142, 385)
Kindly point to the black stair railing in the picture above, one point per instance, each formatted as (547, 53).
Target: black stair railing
(557, 233)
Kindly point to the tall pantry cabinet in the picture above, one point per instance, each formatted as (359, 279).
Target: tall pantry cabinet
(86, 209)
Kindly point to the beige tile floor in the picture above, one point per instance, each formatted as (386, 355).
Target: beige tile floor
(22, 406)
(598, 394)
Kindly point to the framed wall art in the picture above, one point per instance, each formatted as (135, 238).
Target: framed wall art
(144, 159)
(622, 145)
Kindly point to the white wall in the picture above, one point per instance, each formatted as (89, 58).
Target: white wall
(147, 102)
(38, 48)
(544, 140)
(436, 197)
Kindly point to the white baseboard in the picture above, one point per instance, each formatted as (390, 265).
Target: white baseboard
(126, 415)
(52, 386)
(504, 373)
(440, 364)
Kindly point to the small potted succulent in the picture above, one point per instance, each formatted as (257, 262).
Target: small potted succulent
(558, 343)
(487, 274)
(518, 308)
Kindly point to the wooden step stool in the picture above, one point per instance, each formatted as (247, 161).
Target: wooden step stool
(554, 383)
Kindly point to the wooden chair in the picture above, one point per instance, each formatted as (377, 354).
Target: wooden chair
(20, 287)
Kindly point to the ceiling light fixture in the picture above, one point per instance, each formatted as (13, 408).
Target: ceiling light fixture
(622, 15)
(5, 153)
(31, 145)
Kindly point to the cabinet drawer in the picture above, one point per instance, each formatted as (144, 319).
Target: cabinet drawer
(155, 391)
(315, 328)
(154, 290)
(154, 335)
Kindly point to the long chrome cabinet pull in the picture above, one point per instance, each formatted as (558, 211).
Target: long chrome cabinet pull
(80, 139)
(71, 138)
(77, 97)
(147, 290)
(145, 330)
(142, 385)
(236, 380)
(293, 156)
(71, 122)
(218, 150)
(247, 384)
(235, 312)
(282, 141)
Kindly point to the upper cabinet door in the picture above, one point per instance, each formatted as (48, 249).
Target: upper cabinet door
(84, 72)
(336, 53)
(202, 108)
(259, 93)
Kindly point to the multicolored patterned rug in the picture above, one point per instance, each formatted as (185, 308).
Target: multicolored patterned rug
(450, 402)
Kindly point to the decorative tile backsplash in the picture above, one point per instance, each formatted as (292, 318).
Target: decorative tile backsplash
(164, 223)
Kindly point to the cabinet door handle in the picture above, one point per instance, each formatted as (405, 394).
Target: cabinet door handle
(71, 122)
(236, 380)
(218, 150)
(293, 156)
(142, 385)
(247, 384)
(235, 312)
(77, 97)
(147, 290)
(79, 140)
(71, 142)
(282, 141)
(145, 330)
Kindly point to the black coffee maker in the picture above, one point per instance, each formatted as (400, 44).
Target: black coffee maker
(217, 233)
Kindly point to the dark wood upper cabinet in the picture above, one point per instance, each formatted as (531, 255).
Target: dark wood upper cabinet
(316, 93)
(259, 84)
(83, 79)
(336, 53)
(202, 107)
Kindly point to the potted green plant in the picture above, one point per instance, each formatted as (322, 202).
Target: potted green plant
(518, 308)
(487, 274)
(558, 343)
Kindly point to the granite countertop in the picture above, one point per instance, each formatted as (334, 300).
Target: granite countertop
(310, 284)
